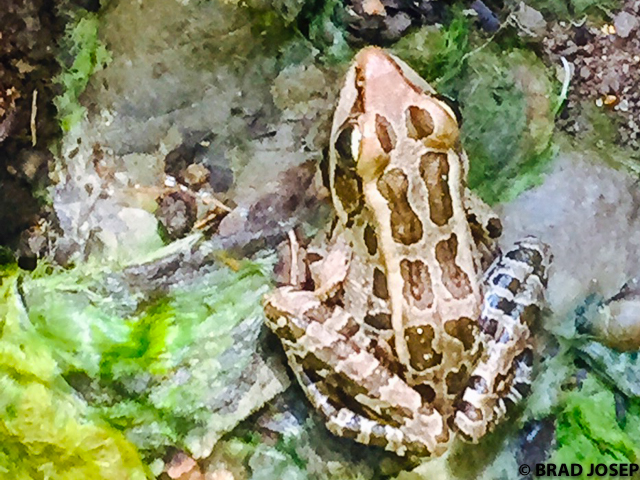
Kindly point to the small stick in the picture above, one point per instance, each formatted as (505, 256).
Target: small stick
(34, 112)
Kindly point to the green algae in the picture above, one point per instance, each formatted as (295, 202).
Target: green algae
(46, 432)
(589, 432)
(89, 55)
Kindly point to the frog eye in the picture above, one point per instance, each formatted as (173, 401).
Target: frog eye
(454, 105)
(347, 145)
(347, 185)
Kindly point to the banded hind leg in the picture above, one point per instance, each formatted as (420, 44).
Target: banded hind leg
(356, 394)
(365, 426)
(514, 295)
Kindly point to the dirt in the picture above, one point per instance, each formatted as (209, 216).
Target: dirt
(605, 59)
(29, 30)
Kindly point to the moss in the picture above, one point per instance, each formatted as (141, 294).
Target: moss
(327, 33)
(145, 345)
(567, 9)
(152, 374)
(87, 56)
(508, 122)
(438, 54)
(588, 432)
(45, 430)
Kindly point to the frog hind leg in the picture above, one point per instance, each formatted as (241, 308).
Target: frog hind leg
(345, 422)
(358, 396)
(514, 296)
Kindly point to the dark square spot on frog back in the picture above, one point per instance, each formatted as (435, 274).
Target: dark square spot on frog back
(379, 321)
(380, 284)
(420, 344)
(417, 283)
(386, 135)
(370, 240)
(434, 171)
(348, 190)
(406, 226)
(454, 278)
(427, 392)
(464, 329)
(456, 381)
(419, 122)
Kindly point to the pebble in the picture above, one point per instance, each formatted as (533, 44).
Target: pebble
(623, 106)
(531, 20)
(606, 62)
(585, 72)
(625, 23)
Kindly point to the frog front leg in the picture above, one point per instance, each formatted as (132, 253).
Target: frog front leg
(358, 397)
(514, 295)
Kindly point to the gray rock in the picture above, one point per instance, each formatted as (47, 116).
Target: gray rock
(625, 23)
(530, 20)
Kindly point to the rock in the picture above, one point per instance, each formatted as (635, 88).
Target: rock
(610, 82)
(177, 210)
(196, 174)
(182, 466)
(584, 210)
(398, 24)
(585, 72)
(625, 23)
(530, 20)
(488, 19)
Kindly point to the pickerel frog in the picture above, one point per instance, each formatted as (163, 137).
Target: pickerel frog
(397, 328)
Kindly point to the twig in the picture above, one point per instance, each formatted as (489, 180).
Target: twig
(34, 113)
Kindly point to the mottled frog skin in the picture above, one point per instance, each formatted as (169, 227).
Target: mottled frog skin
(415, 326)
